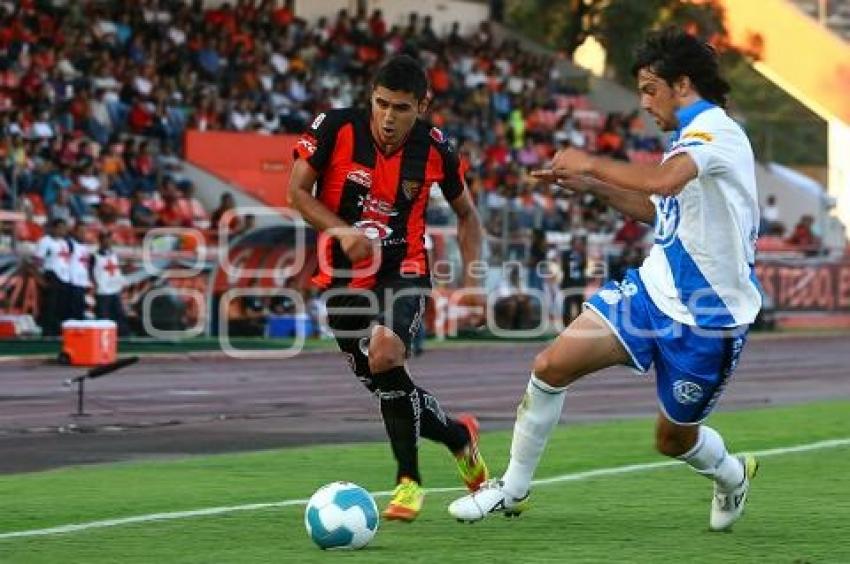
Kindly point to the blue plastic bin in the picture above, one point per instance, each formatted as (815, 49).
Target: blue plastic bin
(279, 326)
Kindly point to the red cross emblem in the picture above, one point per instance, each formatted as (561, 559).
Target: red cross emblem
(111, 267)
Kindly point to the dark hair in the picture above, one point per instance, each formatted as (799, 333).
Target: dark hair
(671, 54)
(403, 73)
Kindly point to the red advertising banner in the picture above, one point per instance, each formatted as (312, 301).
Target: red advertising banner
(259, 164)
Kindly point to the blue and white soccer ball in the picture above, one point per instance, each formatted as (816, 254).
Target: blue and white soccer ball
(341, 515)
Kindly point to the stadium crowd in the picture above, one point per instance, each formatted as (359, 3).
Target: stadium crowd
(95, 97)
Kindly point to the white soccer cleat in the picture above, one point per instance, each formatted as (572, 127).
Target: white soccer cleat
(489, 498)
(727, 507)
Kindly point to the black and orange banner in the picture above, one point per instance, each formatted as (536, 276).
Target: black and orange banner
(804, 286)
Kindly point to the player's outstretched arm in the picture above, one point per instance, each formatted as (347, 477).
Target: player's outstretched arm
(634, 204)
(666, 179)
(300, 197)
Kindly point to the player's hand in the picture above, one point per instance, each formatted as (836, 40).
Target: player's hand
(564, 179)
(572, 161)
(356, 245)
(475, 301)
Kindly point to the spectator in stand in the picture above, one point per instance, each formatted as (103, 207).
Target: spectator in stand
(80, 282)
(90, 185)
(242, 116)
(610, 141)
(114, 171)
(630, 232)
(108, 283)
(529, 156)
(60, 208)
(53, 258)
(574, 268)
(804, 236)
(144, 168)
(248, 224)
(631, 257)
(99, 124)
(190, 206)
(226, 204)
(536, 257)
(514, 307)
(28, 230)
(141, 216)
(770, 224)
(172, 213)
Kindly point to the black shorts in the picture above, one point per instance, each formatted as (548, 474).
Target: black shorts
(398, 305)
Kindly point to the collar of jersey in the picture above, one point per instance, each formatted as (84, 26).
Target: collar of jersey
(687, 114)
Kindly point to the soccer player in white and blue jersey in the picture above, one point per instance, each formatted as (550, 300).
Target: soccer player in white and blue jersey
(687, 309)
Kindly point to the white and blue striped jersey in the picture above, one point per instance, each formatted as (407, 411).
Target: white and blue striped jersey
(700, 271)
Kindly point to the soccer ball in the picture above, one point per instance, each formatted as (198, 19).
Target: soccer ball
(341, 515)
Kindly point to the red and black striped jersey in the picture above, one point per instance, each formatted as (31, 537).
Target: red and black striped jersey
(383, 195)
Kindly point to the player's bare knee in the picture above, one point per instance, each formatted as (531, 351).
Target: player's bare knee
(383, 358)
(547, 371)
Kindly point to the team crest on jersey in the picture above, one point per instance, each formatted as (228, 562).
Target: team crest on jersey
(687, 392)
(361, 177)
(667, 216)
(411, 188)
(437, 135)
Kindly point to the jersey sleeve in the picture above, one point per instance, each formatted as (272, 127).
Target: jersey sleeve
(317, 143)
(452, 183)
(708, 148)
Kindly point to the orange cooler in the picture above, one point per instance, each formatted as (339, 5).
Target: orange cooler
(90, 343)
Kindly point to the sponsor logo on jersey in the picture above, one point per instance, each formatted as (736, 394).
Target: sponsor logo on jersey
(702, 135)
(318, 121)
(361, 177)
(620, 290)
(374, 230)
(371, 204)
(308, 145)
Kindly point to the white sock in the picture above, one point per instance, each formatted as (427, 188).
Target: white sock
(538, 413)
(710, 458)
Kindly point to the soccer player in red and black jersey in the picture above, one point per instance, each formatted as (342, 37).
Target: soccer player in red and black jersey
(373, 170)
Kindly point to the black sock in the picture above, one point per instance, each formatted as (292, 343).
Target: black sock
(439, 427)
(401, 410)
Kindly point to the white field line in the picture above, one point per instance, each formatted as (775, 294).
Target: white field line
(573, 477)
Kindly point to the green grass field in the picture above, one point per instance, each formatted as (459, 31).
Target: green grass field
(799, 508)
